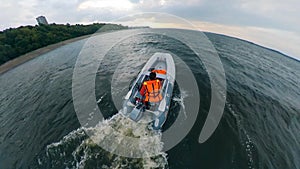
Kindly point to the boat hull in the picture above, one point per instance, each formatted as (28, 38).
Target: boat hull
(156, 115)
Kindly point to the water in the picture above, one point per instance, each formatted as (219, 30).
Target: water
(259, 128)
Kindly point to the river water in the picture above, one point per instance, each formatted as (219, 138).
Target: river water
(259, 128)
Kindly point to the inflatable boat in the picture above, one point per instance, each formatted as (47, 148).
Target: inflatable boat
(151, 105)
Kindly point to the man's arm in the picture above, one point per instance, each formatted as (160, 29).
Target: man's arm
(143, 90)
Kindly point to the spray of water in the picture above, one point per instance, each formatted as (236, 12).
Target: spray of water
(180, 100)
(77, 150)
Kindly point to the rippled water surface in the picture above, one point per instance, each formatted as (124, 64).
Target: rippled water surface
(259, 128)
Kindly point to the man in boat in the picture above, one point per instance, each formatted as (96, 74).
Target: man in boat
(150, 90)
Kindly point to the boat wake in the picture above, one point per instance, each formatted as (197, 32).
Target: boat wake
(78, 150)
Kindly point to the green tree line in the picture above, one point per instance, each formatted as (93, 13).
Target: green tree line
(18, 41)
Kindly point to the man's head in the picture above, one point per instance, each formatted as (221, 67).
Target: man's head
(152, 76)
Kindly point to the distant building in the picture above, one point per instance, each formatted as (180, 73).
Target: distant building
(42, 20)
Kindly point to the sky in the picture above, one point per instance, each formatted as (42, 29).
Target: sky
(270, 23)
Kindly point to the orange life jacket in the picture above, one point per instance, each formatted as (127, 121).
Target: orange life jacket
(152, 91)
(161, 71)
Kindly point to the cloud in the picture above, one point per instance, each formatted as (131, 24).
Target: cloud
(258, 13)
(284, 41)
(134, 1)
(151, 4)
(284, 14)
(108, 4)
(16, 13)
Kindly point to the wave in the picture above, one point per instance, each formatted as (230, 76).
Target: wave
(77, 150)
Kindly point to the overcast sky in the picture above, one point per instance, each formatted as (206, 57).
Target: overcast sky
(271, 23)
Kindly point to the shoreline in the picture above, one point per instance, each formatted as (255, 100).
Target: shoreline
(33, 54)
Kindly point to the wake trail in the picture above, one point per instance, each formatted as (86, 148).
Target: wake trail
(114, 143)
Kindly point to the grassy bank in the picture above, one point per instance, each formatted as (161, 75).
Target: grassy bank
(15, 42)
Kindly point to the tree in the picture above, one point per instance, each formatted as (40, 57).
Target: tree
(18, 41)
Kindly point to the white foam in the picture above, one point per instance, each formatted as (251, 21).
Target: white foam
(112, 132)
(183, 94)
